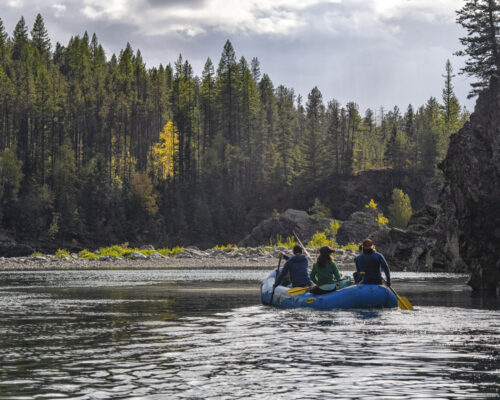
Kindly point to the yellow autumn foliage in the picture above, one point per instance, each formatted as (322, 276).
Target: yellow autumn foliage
(165, 151)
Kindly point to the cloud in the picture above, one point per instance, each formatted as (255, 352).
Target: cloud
(198, 17)
(374, 52)
(59, 9)
(264, 17)
(15, 3)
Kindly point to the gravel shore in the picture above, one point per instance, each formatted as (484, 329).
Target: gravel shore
(192, 259)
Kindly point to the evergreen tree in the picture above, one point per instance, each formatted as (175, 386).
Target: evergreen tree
(255, 69)
(20, 40)
(481, 19)
(40, 37)
(3, 41)
(451, 106)
(313, 146)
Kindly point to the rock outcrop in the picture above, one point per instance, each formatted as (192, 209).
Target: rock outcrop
(348, 194)
(10, 248)
(284, 225)
(472, 172)
(429, 243)
(359, 226)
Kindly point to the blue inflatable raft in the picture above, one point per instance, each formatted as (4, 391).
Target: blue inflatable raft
(353, 296)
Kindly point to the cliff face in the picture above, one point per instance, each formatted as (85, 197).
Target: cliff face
(472, 190)
(345, 195)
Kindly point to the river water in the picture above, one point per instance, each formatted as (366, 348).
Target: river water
(136, 334)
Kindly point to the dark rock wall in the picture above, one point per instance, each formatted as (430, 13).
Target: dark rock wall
(284, 225)
(10, 248)
(472, 172)
(345, 195)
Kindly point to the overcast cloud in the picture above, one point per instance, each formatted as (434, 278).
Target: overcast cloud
(374, 52)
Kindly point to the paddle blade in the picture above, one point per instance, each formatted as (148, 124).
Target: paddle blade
(404, 303)
(295, 291)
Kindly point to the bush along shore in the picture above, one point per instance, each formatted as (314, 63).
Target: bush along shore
(117, 257)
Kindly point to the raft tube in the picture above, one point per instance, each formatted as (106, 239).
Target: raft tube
(354, 296)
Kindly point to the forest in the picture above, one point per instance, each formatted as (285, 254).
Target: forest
(101, 150)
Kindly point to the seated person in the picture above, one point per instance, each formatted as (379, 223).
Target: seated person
(358, 274)
(323, 272)
(371, 265)
(297, 266)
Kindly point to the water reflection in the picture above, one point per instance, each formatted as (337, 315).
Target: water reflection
(150, 335)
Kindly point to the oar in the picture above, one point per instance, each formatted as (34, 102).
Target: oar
(302, 245)
(275, 278)
(295, 291)
(403, 302)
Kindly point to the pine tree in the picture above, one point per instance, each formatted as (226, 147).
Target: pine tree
(481, 19)
(255, 65)
(314, 139)
(19, 39)
(3, 40)
(451, 106)
(40, 37)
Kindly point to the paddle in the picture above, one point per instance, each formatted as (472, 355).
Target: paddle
(276, 277)
(295, 291)
(302, 245)
(403, 302)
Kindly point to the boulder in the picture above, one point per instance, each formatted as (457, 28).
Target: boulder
(284, 225)
(138, 256)
(10, 248)
(157, 256)
(428, 243)
(359, 226)
(472, 172)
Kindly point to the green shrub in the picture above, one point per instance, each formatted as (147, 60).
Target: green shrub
(171, 252)
(351, 246)
(371, 205)
(61, 253)
(223, 247)
(36, 254)
(381, 220)
(289, 242)
(334, 227)
(319, 239)
(400, 210)
(88, 255)
(319, 210)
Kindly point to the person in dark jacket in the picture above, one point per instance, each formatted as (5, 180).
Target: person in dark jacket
(297, 266)
(370, 265)
(357, 275)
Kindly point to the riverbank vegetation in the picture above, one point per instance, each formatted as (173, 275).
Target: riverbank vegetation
(119, 251)
(98, 149)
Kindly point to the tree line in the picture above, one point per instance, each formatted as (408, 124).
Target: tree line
(98, 150)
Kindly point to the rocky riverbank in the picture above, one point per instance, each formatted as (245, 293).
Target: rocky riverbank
(191, 258)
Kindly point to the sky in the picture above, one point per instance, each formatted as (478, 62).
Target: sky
(377, 53)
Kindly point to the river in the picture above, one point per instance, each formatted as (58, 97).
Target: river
(163, 334)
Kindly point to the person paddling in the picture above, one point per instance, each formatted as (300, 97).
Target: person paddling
(297, 266)
(357, 275)
(371, 264)
(323, 272)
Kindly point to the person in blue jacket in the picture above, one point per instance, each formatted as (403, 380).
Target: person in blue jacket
(370, 264)
(357, 275)
(297, 266)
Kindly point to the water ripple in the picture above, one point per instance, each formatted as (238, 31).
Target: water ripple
(156, 342)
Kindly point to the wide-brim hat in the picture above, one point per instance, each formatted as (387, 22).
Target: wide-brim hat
(368, 244)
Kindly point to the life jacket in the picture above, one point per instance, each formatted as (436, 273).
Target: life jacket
(370, 266)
